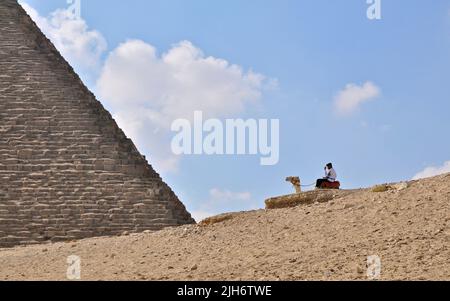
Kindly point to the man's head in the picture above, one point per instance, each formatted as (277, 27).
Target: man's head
(330, 165)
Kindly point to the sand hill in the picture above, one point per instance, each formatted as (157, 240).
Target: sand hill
(407, 226)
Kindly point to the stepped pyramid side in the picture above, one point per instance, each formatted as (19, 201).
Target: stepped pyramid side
(67, 171)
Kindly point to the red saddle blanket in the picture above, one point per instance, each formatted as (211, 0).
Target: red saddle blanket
(331, 185)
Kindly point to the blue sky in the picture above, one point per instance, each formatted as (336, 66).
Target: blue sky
(314, 50)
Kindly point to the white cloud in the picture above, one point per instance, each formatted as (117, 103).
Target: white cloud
(348, 100)
(148, 92)
(433, 171)
(201, 215)
(223, 201)
(177, 83)
(81, 47)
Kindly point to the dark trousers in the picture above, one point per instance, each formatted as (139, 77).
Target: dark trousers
(320, 182)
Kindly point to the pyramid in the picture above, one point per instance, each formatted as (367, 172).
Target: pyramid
(67, 171)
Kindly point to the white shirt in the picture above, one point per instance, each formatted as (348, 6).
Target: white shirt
(330, 175)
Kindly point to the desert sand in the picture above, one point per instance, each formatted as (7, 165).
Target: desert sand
(408, 228)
